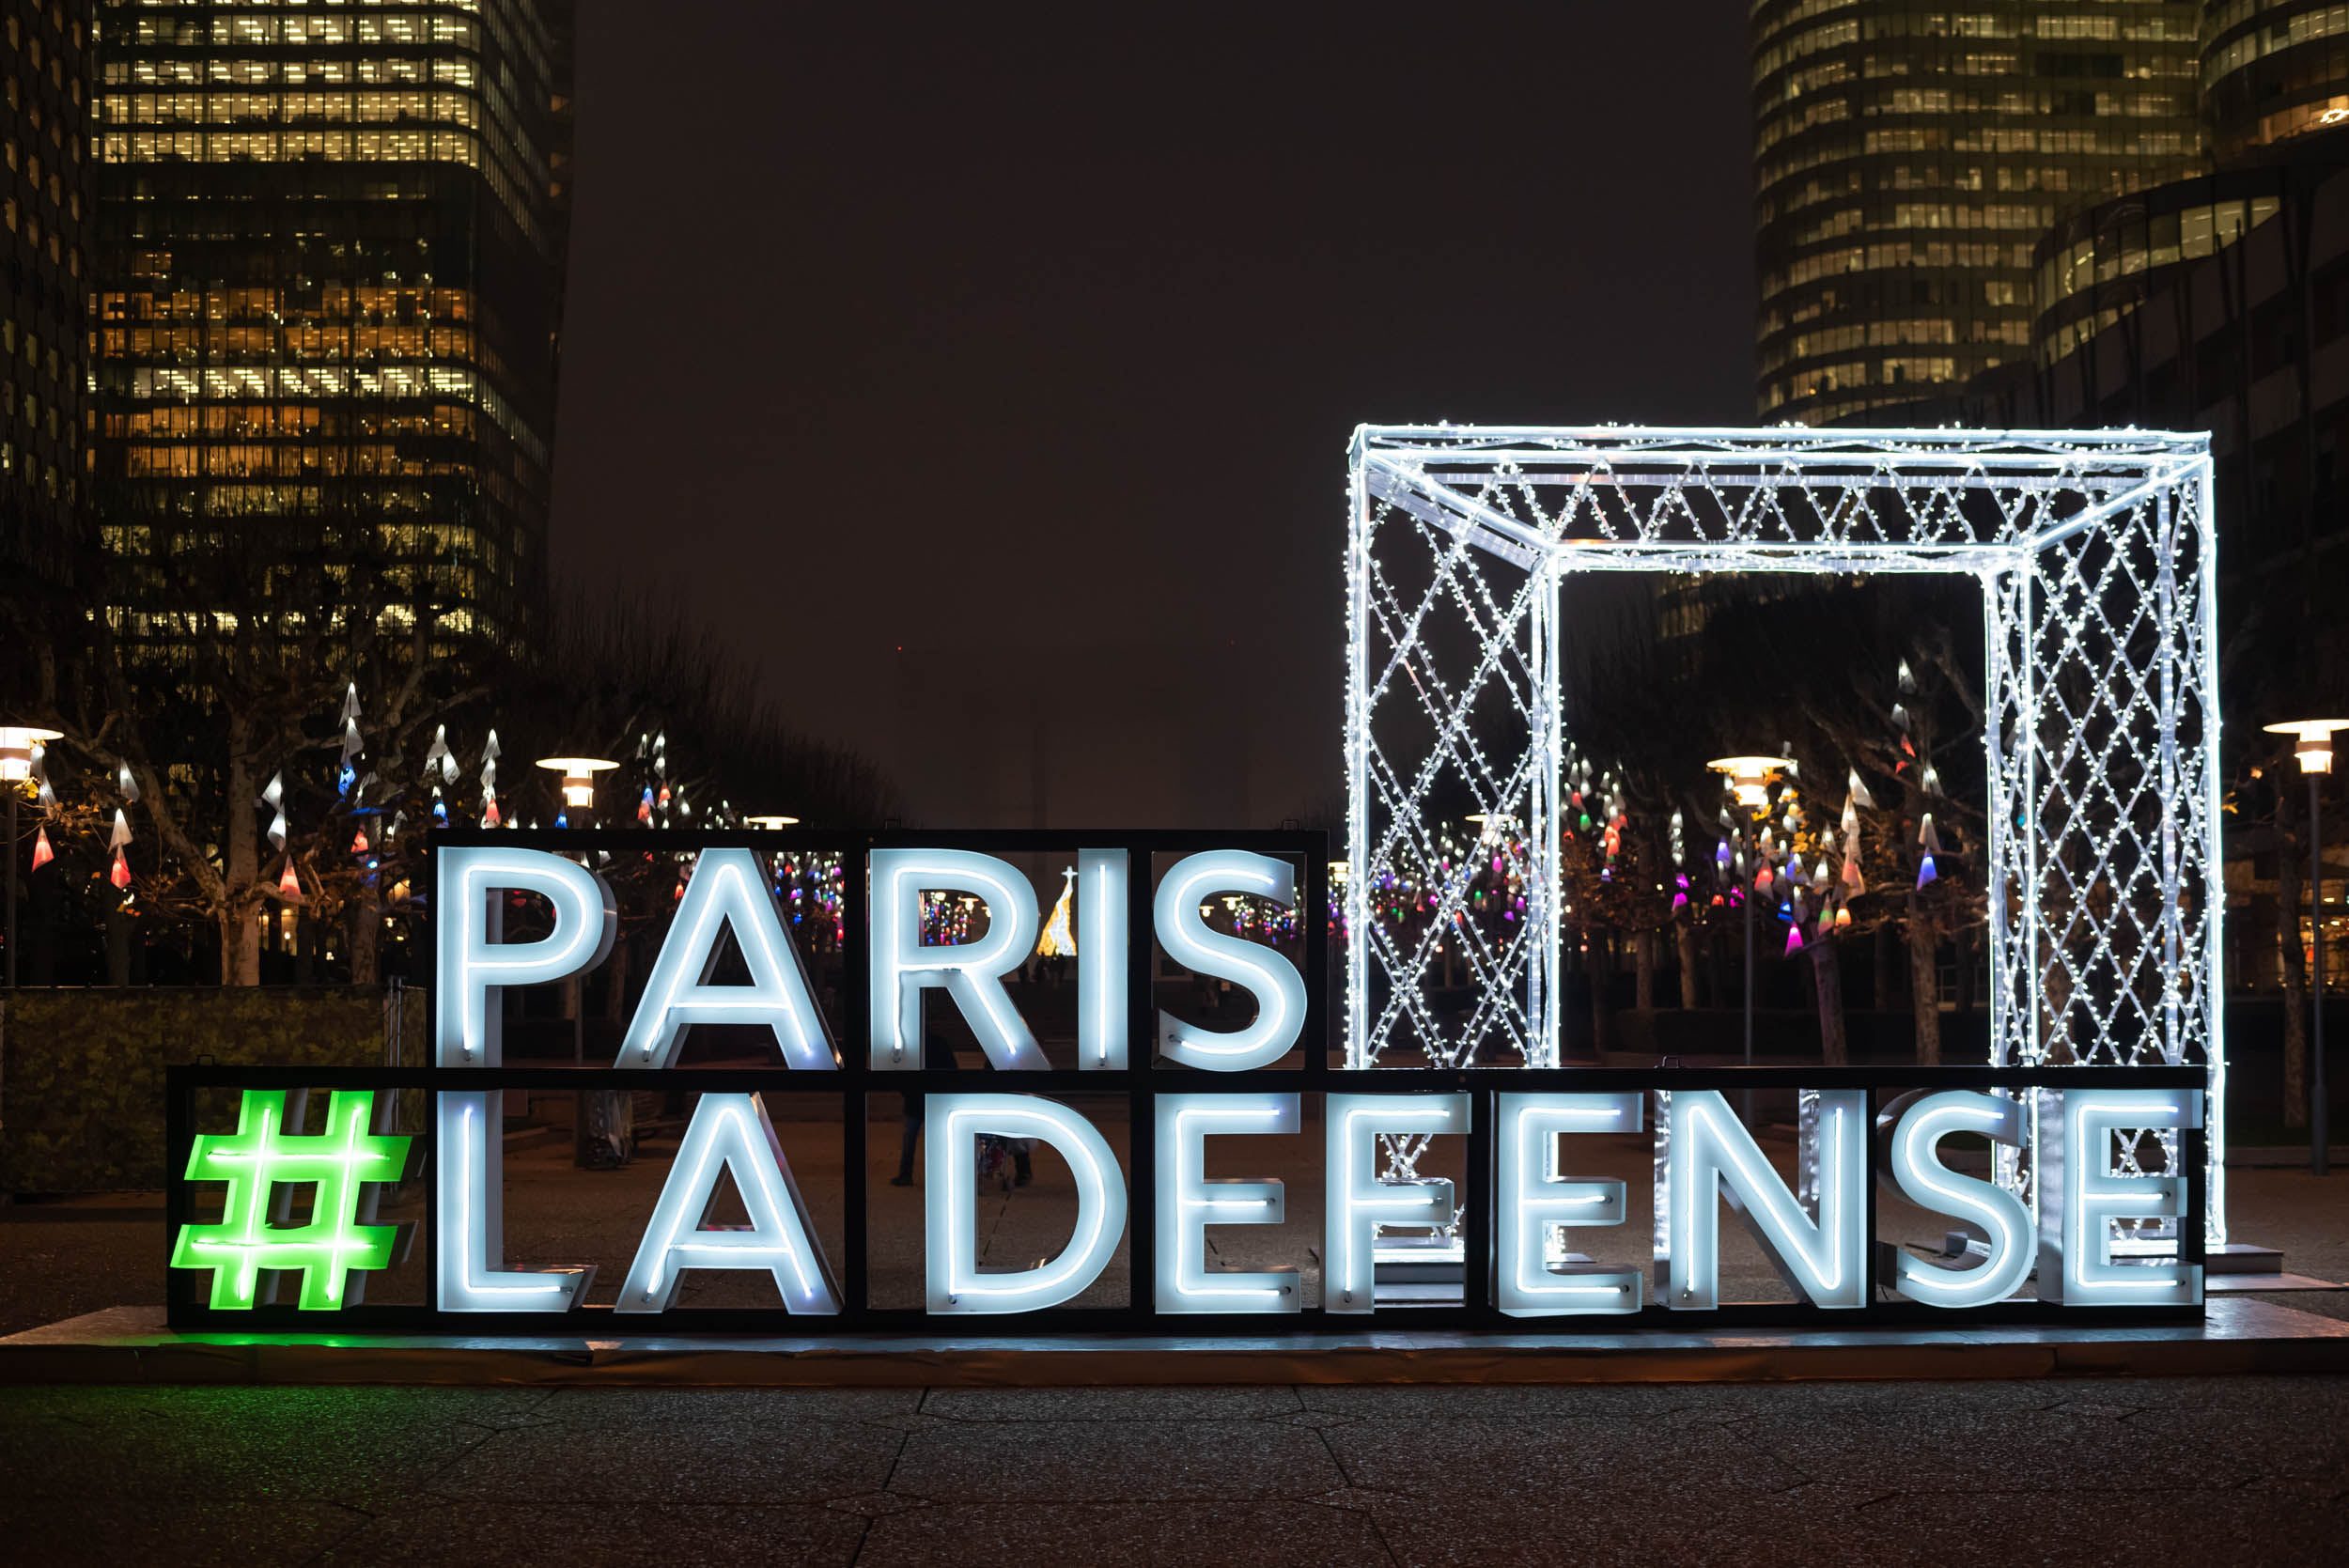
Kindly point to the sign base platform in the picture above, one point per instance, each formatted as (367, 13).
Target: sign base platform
(130, 1345)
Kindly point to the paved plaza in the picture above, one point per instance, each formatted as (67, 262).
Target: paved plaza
(2245, 1471)
(2123, 1470)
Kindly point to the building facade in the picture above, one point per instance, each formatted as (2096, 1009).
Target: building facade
(330, 251)
(46, 211)
(2271, 69)
(1907, 158)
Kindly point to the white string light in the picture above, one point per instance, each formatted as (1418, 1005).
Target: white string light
(2092, 551)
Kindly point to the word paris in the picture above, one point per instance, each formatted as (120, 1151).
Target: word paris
(2110, 1214)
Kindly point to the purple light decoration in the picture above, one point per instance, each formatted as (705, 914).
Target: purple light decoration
(1925, 873)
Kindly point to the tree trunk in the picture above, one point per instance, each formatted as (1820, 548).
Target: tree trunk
(120, 925)
(1643, 970)
(367, 941)
(1964, 937)
(1597, 969)
(1685, 938)
(2294, 959)
(1885, 977)
(615, 984)
(1827, 978)
(241, 862)
(1924, 982)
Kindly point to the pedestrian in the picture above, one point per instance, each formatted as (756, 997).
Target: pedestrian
(937, 1058)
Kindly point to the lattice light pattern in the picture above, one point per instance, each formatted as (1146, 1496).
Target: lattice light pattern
(2093, 553)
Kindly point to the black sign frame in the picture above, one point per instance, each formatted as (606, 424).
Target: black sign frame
(854, 1079)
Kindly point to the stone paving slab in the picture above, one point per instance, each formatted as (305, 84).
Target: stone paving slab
(130, 1345)
(2119, 1471)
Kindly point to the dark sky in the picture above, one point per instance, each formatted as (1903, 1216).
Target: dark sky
(958, 328)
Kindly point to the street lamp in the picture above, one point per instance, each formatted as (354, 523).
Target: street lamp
(1749, 781)
(2315, 755)
(578, 777)
(771, 823)
(16, 765)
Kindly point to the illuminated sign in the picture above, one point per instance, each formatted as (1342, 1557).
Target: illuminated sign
(1456, 1197)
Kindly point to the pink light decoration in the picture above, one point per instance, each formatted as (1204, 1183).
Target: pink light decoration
(120, 874)
(42, 854)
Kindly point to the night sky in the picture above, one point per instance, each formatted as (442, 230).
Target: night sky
(970, 331)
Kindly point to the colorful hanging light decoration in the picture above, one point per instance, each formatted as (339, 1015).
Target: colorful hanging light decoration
(344, 773)
(274, 797)
(489, 754)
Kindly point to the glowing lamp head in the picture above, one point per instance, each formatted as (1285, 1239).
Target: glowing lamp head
(17, 743)
(578, 777)
(771, 823)
(2315, 751)
(1749, 777)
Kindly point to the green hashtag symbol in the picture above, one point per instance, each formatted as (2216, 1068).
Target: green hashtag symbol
(259, 1157)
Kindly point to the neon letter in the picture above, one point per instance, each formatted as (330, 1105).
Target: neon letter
(1102, 958)
(730, 1133)
(972, 973)
(1279, 989)
(1356, 1203)
(950, 1204)
(728, 889)
(1709, 1150)
(2074, 1159)
(1189, 1203)
(475, 963)
(1913, 1126)
(1533, 1199)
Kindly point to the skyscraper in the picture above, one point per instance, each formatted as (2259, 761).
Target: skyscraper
(1907, 158)
(44, 264)
(331, 256)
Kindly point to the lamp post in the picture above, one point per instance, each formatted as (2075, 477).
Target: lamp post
(16, 765)
(1749, 781)
(578, 791)
(2315, 755)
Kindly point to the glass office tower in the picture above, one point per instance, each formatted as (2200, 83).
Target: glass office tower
(45, 209)
(1908, 157)
(331, 245)
(2271, 69)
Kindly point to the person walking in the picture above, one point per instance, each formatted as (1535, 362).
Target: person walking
(941, 1058)
(935, 1057)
